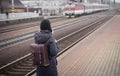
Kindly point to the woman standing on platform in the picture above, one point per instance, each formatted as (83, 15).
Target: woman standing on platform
(42, 37)
(7, 14)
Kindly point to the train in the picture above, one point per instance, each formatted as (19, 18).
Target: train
(75, 9)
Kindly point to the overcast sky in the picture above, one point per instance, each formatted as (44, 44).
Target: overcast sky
(117, 0)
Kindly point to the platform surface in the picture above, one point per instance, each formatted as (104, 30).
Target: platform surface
(96, 55)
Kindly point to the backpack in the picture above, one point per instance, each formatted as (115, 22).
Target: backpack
(40, 54)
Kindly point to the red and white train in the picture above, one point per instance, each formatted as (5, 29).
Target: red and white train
(74, 9)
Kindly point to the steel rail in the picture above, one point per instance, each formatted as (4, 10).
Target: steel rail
(64, 50)
(8, 41)
(16, 28)
(22, 27)
(58, 53)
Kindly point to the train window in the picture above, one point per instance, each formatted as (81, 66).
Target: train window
(67, 5)
(73, 5)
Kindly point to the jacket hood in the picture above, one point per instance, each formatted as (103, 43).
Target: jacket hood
(42, 36)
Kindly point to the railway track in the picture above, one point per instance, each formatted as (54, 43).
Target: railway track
(8, 41)
(36, 24)
(24, 66)
(28, 25)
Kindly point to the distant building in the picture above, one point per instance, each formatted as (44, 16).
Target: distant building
(6, 5)
(47, 7)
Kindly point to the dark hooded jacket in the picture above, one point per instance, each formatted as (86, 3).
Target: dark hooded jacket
(45, 36)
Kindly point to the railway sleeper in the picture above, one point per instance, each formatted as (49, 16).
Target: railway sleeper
(25, 64)
(22, 65)
(17, 72)
(29, 62)
(10, 73)
(25, 67)
(20, 70)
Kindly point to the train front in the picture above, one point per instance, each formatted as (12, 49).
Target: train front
(69, 10)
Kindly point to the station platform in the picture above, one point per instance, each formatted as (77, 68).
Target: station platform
(96, 55)
(18, 18)
(15, 18)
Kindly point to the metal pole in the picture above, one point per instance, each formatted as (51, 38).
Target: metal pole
(99, 1)
(114, 1)
(27, 7)
(106, 1)
(13, 6)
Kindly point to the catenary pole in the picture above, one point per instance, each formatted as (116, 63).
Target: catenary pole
(13, 6)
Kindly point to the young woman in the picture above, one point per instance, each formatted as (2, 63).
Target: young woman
(45, 35)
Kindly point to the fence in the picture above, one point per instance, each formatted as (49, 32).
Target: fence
(18, 15)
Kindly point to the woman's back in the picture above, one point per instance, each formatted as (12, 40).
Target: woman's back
(45, 35)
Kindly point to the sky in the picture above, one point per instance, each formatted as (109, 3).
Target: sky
(117, 1)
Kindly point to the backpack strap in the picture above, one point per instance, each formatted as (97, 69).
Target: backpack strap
(46, 43)
(47, 40)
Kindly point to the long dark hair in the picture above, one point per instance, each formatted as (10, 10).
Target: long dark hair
(45, 25)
